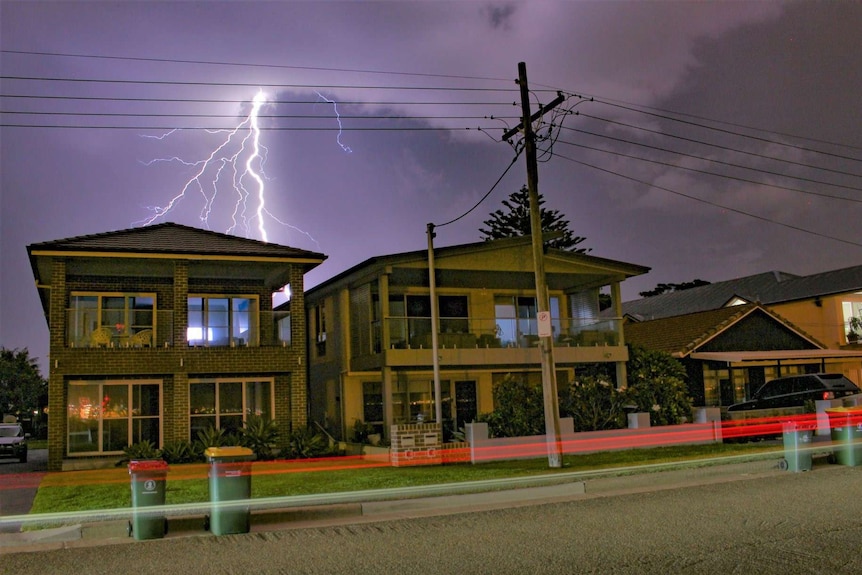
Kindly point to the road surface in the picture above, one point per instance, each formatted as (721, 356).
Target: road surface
(780, 523)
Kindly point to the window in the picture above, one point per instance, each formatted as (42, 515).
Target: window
(226, 404)
(372, 402)
(516, 317)
(319, 329)
(410, 318)
(105, 417)
(222, 321)
(109, 319)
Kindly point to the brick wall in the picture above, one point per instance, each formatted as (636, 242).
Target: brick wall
(176, 364)
(416, 444)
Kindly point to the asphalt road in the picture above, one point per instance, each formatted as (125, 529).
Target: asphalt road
(780, 522)
(19, 483)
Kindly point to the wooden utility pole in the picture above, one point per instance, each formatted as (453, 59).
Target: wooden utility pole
(546, 340)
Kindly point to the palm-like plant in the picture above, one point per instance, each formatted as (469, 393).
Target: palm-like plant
(260, 435)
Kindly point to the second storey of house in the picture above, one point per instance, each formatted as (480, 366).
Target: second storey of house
(168, 288)
(378, 314)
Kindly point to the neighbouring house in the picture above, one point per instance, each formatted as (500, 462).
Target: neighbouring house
(735, 335)
(162, 331)
(370, 331)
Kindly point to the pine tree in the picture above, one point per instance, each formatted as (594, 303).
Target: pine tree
(515, 222)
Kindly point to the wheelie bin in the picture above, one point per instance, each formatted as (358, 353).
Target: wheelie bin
(846, 429)
(148, 480)
(797, 440)
(230, 489)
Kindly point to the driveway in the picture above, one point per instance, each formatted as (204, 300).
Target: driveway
(19, 483)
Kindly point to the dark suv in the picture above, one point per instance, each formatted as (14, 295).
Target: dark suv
(789, 394)
(13, 441)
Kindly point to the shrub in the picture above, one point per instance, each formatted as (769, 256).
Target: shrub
(212, 437)
(305, 444)
(657, 386)
(361, 431)
(181, 452)
(260, 434)
(519, 409)
(142, 450)
(593, 403)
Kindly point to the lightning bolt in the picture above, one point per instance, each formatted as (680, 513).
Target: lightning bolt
(344, 147)
(239, 157)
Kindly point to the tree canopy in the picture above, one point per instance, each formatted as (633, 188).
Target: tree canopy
(21, 385)
(667, 288)
(514, 221)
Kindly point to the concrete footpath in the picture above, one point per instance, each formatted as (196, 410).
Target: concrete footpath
(344, 509)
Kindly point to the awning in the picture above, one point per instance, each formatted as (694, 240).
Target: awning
(779, 355)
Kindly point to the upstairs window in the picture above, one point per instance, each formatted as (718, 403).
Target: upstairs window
(222, 321)
(319, 329)
(110, 319)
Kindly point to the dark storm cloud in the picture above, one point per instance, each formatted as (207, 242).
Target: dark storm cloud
(499, 14)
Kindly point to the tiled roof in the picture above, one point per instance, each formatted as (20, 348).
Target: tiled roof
(766, 288)
(172, 238)
(682, 333)
(822, 284)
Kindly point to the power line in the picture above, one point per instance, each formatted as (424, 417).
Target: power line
(731, 132)
(488, 193)
(253, 65)
(736, 178)
(717, 146)
(720, 162)
(318, 101)
(707, 202)
(250, 84)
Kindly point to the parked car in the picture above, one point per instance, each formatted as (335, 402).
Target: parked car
(13, 441)
(787, 395)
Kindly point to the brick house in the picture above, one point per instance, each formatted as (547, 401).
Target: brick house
(369, 331)
(161, 331)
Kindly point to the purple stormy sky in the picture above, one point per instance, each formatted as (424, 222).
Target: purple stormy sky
(724, 138)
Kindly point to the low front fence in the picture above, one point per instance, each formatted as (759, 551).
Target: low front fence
(482, 448)
(420, 444)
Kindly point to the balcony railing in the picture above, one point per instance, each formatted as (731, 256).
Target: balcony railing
(465, 333)
(83, 329)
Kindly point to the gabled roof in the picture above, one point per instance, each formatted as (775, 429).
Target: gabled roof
(172, 239)
(767, 288)
(441, 254)
(682, 334)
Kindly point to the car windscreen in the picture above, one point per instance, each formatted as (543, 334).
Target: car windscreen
(9, 431)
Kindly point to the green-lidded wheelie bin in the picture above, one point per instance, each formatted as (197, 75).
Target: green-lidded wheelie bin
(797, 440)
(846, 426)
(148, 480)
(230, 489)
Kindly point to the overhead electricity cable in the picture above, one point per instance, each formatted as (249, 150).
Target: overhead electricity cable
(253, 65)
(252, 84)
(707, 202)
(731, 132)
(717, 146)
(222, 101)
(261, 128)
(705, 172)
(488, 193)
(720, 162)
(261, 116)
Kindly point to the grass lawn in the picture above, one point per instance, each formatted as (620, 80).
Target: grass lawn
(71, 491)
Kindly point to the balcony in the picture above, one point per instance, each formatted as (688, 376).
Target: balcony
(468, 333)
(83, 330)
(499, 341)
